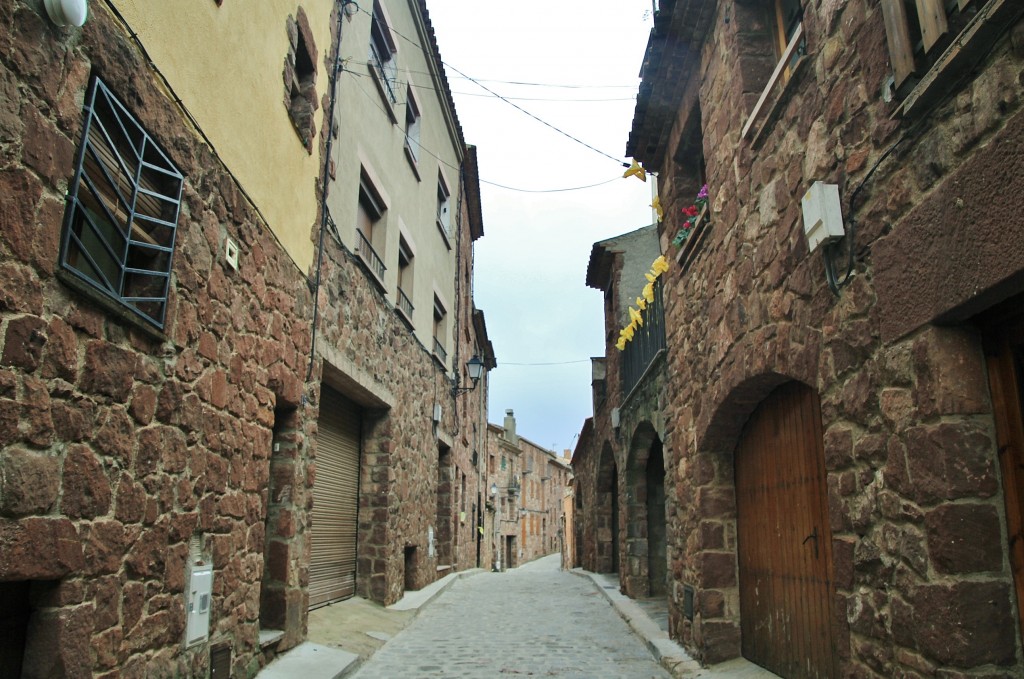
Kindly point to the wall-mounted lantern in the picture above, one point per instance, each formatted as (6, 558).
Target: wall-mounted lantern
(475, 368)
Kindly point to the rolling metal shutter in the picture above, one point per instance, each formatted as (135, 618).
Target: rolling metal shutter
(332, 568)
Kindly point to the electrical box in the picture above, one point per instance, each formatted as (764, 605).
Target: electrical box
(197, 611)
(437, 412)
(823, 216)
(231, 253)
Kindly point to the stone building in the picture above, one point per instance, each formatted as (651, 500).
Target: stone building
(842, 425)
(527, 485)
(216, 412)
(618, 458)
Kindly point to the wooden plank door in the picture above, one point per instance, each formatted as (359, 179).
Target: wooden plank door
(784, 539)
(1004, 348)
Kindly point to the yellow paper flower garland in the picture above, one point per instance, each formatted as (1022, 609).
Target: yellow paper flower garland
(636, 320)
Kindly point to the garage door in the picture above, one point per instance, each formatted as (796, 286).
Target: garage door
(784, 539)
(332, 570)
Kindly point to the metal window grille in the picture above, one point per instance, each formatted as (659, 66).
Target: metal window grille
(370, 256)
(647, 341)
(122, 211)
(404, 304)
(440, 350)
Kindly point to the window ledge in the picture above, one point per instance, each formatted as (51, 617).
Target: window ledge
(772, 112)
(444, 234)
(382, 89)
(112, 306)
(413, 163)
(694, 243)
(405, 318)
(766, 107)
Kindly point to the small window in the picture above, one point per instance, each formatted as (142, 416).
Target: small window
(443, 211)
(370, 229)
(412, 128)
(383, 64)
(122, 211)
(504, 463)
(300, 78)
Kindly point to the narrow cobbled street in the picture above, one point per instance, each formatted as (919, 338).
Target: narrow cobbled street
(534, 621)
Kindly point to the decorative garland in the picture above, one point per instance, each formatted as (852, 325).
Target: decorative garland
(636, 320)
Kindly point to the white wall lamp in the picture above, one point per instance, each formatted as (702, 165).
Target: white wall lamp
(67, 12)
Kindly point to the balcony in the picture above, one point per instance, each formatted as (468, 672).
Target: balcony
(405, 305)
(648, 341)
(440, 352)
(370, 257)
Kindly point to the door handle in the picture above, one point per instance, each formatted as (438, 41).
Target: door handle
(813, 536)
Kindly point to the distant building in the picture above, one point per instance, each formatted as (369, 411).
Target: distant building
(528, 484)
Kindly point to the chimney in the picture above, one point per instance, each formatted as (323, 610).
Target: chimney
(567, 453)
(510, 427)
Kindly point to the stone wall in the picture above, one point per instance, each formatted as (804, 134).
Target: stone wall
(120, 445)
(122, 448)
(914, 492)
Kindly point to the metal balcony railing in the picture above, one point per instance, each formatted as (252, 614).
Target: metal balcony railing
(439, 351)
(370, 256)
(647, 341)
(404, 304)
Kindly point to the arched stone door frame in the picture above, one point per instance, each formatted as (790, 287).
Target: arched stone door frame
(606, 512)
(645, 509)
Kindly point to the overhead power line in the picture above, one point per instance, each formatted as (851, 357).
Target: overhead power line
(479, 84)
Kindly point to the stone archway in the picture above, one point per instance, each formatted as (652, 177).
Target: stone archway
(606, 513)
(646, 571)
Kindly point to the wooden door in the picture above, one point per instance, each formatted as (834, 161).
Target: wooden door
(784, 539)
(332, 567)
(1004, 348)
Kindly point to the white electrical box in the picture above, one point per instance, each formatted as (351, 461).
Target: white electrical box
(231, 253)
(437, 412)
(200, 591)
(823, 216)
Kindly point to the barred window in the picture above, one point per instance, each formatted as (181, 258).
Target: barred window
(122, 210)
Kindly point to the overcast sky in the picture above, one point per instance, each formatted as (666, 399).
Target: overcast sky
(531, 263)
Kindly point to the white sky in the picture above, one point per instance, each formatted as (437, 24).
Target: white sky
(531, 263)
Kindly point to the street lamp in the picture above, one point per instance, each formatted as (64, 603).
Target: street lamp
(475, 368)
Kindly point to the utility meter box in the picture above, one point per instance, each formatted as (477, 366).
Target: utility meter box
(200, 590)
(823, 216)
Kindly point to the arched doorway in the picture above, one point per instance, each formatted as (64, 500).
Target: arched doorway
(784, 541)
(606, 513)
(646, 573)
(657, 535)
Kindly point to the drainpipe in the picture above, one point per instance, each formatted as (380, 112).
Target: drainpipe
(326, 178)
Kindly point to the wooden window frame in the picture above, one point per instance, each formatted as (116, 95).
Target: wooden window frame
(923, 72)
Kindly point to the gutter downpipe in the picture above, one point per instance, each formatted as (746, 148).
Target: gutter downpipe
(326, 178)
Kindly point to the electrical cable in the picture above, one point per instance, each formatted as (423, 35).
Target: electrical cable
(373, 100)
(510, 103)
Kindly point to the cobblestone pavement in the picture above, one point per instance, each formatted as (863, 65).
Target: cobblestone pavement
(534, 621)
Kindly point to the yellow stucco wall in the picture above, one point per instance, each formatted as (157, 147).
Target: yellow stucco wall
(226, 64)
